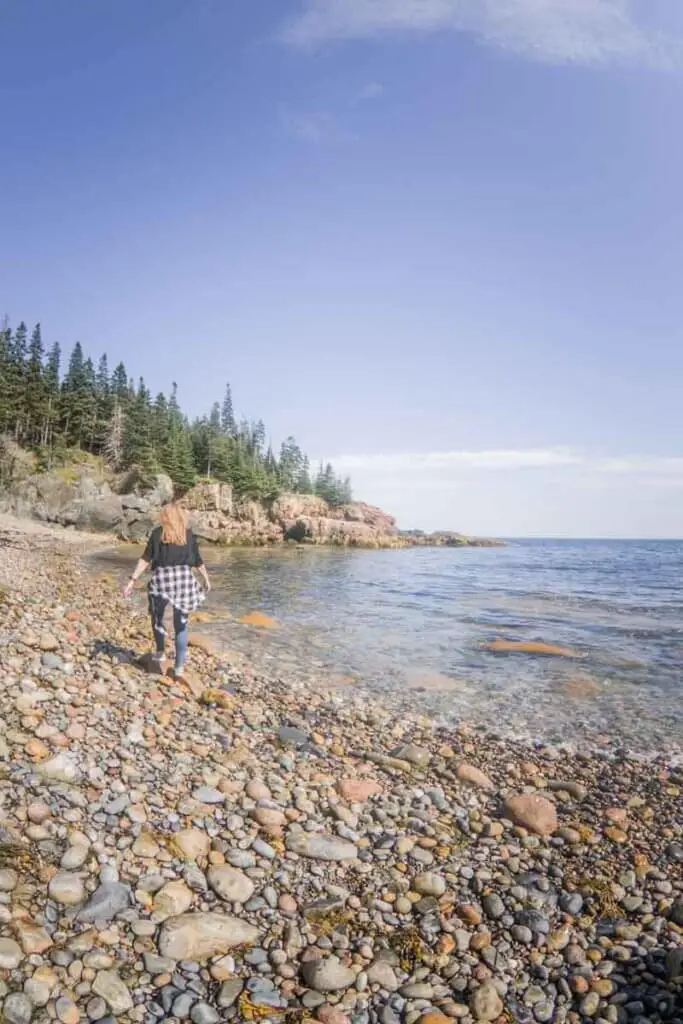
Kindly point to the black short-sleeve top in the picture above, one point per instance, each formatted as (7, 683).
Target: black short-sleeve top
(161, 555)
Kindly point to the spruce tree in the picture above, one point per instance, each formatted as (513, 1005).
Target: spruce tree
(34, 394)
(228, 424)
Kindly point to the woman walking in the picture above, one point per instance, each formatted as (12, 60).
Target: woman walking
(172, 553)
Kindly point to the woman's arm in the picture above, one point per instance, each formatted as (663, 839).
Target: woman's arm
(198, 562)
(201, 569)
(137, 573)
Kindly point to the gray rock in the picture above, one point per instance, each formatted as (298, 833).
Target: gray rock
(200, 936)
(208, 795)
(320, 847)
(229, 992)
(485, 1003)
(290, 736)
(17, 1009)
(493, 906)
(418, 756)
(571, 903)
(158, 964)
(116, 994)
(429, 883)
(202, 1013)
(677, 913)
(182, 1005)
(230, 884)
(96, 1008)
(674, 964)
(51, 662)
(328, 975)
(381, 973)
(11, 954)
(59, 768)
(106, 902)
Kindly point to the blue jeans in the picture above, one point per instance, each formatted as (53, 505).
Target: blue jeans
(181, 625)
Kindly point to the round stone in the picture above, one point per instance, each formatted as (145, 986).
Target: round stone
(66, 889)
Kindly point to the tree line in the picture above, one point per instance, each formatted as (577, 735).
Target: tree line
(94, 409)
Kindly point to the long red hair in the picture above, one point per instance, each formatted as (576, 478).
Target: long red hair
(173, 521)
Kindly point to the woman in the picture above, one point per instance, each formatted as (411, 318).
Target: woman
(172, 553)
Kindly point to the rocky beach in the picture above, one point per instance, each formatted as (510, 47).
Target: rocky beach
(261, 850)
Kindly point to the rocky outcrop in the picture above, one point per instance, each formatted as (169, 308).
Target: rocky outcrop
(446, 539)
(87, 498)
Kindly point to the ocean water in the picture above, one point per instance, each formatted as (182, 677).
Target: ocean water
(414, 626)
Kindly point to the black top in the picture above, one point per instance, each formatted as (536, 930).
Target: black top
(162, 555)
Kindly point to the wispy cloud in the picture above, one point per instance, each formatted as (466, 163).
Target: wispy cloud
(443, 463)
(589, 32)
(317, 127)
(371, 91)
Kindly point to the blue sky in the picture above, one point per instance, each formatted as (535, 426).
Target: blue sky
(440, 241)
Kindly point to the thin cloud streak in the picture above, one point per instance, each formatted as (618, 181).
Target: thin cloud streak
(585, 32)
(511, 459)
(315, 127)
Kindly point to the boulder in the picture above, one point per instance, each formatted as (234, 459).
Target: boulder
(533, 812)
(201, 936)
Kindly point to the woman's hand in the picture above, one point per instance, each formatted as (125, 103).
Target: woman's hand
(129, 588)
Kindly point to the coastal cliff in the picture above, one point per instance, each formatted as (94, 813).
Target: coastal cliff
(88, 497)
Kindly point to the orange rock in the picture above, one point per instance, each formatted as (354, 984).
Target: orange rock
(533, 812)
(259, 619)
(201, 642)
(434, 1017)
(616, 834)
(530, 647)
(36, 750)
(473, 776)
(358, 790)
(581, 687)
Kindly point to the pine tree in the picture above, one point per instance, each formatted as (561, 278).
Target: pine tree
(119, 385)
(303, 482)
(34, 395)
(16, 382)
(138, 449)
(290, 464)
(228, 424)
(109, 415)
(51, 387)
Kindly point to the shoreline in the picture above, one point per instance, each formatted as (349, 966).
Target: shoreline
(270, 850)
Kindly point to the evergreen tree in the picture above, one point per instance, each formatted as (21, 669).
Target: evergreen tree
(109, 415)
(290, 464)
(228, 424)
(34, 395)
(16, 382)
(304, 484)
(138, 449)
(119, 385)
(51, 389)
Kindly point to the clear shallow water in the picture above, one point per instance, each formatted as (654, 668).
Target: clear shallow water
(412, 625)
